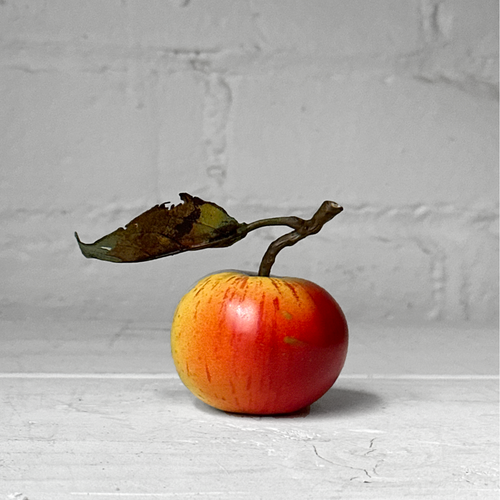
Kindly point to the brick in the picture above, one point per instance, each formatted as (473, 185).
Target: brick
(361, 140)
(316, 27)
(472, 276)
(470, 25)
(172, 25)
(96, 138)
(379, 279)
(192, 25)
(334, 29)
(462, 42)
(64, 21)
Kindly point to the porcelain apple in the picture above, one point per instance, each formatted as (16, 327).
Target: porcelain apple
(258, 345)
(242, 343)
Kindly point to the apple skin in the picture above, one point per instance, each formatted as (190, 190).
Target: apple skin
(258, 345)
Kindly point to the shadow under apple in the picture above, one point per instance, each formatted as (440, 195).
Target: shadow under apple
(335, 403)
(341, 402)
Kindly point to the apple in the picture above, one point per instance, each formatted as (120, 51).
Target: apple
(258, 344)
(242, 343)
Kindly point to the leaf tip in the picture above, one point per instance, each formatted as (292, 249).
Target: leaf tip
(97, 250)
(82, 246)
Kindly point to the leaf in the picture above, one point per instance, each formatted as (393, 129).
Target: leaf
(161, 231)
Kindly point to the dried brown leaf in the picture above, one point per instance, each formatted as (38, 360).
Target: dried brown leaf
(162, 231)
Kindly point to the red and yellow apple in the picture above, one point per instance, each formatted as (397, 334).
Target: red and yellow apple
(241, 343)
(258, 345)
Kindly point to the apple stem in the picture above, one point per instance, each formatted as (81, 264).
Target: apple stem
(301, 229)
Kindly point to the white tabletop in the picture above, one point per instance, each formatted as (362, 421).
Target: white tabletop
(94, 410)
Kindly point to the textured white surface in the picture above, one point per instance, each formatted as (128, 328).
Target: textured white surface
(94, 410)
(78, 438)
(389, 108)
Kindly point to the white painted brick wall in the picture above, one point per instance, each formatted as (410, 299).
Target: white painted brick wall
(388, 107)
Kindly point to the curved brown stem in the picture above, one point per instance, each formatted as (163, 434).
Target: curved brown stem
(302, 228)
(292, 221)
